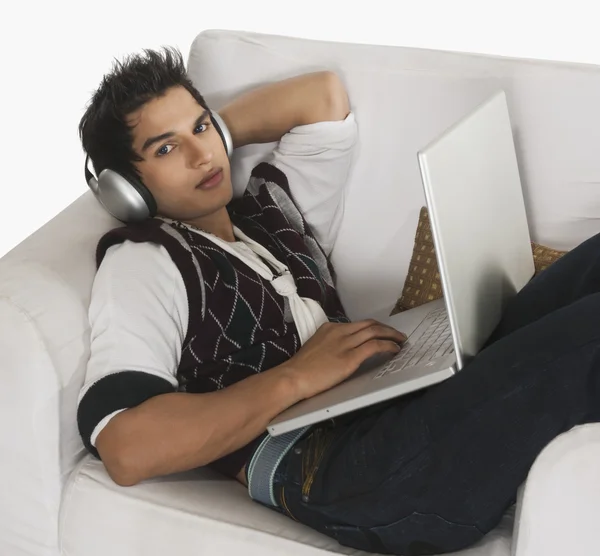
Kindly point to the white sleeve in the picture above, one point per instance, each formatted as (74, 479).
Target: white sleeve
(316, 160)
(139, 316)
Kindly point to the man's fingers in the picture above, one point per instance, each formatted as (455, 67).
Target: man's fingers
(356, 326)
(374, 347)
(375, 331)
(346, 329)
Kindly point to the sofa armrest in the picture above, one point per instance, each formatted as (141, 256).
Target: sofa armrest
(45, 284)
(28, 436)
(558, 508)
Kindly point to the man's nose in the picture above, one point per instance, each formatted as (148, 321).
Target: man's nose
(199, 153)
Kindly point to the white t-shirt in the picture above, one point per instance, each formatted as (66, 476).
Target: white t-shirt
(139, 308)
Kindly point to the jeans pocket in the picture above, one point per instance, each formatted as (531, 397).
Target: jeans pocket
(417, 534)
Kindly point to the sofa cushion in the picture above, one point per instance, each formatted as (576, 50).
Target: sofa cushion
(197, 512)
(423, 282)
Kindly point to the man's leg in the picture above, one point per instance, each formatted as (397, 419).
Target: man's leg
(436, 470)
(575, 275)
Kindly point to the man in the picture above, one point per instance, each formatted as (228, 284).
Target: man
(217, 314)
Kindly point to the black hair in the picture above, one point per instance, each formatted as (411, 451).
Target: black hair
(139, 78)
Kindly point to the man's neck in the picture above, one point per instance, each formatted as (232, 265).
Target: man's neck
(219, 224)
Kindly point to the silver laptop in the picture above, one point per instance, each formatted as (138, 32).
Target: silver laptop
(479, 224)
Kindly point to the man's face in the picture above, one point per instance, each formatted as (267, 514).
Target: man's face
(181, 151)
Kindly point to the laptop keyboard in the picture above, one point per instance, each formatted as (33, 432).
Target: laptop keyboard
(435, 342)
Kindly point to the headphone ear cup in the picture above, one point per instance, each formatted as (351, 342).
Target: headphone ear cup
(125, 197)
(144, 192)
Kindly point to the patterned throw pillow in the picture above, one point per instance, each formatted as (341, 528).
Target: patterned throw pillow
(423, 283)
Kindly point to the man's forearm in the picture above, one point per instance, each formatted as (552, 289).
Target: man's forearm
(267, 113)
(179, 431)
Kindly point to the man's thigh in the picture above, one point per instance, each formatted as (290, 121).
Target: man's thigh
(460, 450)
(573, 276)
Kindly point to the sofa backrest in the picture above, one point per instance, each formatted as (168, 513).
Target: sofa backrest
(402, 98)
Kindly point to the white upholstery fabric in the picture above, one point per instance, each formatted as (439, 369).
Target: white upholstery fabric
(44, 344)
(401, 98)
(559, 505)
(195, 513)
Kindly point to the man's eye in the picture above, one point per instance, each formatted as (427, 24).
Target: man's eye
(162, 151)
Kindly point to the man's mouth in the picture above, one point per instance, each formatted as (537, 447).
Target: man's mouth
(211, 180)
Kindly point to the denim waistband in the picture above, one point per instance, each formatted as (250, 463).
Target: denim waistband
(264, 463)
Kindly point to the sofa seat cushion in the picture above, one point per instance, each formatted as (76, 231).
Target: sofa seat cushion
(197, 512)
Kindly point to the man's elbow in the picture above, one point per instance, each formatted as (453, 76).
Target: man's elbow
(121, 465)
(122, 475)
(336, 104)
(120, 468)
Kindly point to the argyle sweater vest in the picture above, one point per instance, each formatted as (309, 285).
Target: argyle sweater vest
(238, 325)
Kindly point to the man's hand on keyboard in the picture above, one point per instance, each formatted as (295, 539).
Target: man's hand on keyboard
(336, 351)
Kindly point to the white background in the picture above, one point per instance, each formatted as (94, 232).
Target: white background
(54, 54)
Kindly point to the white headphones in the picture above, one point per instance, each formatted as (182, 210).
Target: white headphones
(126, 197)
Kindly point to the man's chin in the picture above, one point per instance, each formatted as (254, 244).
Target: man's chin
(203, 211)
(203, 204)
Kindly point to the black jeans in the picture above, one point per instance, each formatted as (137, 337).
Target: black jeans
(434, 471)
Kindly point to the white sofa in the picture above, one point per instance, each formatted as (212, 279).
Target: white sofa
(54, 499)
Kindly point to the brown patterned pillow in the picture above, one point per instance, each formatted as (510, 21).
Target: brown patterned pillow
(423, 283)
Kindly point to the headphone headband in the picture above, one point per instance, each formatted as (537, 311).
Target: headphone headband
(223, 131)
